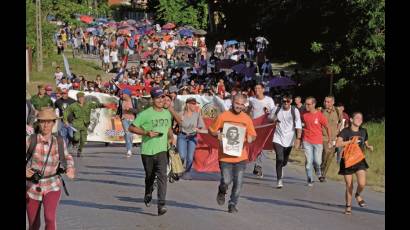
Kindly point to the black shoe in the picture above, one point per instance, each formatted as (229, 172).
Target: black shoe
(147, 200)
(232, 208)
(257, 170)
(322, 179)
(220, 198)
(162, 210)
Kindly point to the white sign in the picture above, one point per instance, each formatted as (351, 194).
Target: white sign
(233, 138)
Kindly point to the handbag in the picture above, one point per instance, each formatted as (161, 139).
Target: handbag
(176, 162)
(352, 153)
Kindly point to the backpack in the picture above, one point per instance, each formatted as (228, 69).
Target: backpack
(292, 111)
(60, 142)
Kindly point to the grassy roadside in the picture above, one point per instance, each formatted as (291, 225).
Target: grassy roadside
(79, 66)
(375, 159)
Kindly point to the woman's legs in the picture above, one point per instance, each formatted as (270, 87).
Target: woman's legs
(349, 190)
(191, 144)
(33, 209)
(361, 183)
(182, 147)
(50, 203)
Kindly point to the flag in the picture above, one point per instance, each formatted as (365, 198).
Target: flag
(67, 67)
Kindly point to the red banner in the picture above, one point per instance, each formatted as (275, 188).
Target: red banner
(206, 153)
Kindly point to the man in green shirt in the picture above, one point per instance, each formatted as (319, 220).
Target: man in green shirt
(154, 124)
(81, 111)
(41, 99)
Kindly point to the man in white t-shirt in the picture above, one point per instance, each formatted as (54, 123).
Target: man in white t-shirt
(260, 104)
(163, 44)
(288, 123)
(64, 84)
(58, 75)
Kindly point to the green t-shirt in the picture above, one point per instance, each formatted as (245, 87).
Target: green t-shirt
(151, 120)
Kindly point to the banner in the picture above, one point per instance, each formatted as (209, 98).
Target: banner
(67, 67)
(104, 127)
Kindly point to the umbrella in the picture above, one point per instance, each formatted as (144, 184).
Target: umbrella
(281, 82)
(131, 21)
(109, 30)
(249, 71)
(185, 33)
(91, 29)
(112, 24)
(168, 26)
(200, 32)
(188, 27)
(123, 27)
(226, 64)
(238, 68)
(103, 20)
(262, 39)
(86, 19)
(231, 42)
(123, 31)
(95, 32)
(183, 49)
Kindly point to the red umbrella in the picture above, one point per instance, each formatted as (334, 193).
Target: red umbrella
(86, 19)
(123, 31)
(168, 26)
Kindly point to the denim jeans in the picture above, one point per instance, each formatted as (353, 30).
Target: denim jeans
(66, 132)
(313, 153)
(232, 172)
(186, 149)
(127, 135)
(260, 158)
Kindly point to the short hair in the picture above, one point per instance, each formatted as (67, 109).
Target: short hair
(238, 96)
(287, 96)
(298, 97)
(261, 84)
(330, 97)
(311, 98)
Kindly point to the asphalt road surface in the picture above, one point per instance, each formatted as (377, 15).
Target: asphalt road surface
(109, 188)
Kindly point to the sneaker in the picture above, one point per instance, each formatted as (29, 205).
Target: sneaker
(322, 179)
(280, 184)
(232, 208)
(310, 182)
(255, 171)
(258, 171)
(129, 154)
(186, 176)
(147, 200)
(162, 210)
(220, 198)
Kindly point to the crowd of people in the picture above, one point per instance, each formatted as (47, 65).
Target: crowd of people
(320, 132)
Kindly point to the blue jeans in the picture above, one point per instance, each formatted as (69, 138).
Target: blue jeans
(313, 153)
(127, 135)
(232, 172)
(65, 132)
(186, 149)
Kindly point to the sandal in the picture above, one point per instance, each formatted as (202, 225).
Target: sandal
(348, 210)
(361, 203)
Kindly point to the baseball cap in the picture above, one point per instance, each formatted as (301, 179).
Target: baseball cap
(190, 100)
(173, 89)
(156, 92)
(127, 91)
(49, 88)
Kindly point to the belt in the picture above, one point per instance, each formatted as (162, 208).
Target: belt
(188, 134)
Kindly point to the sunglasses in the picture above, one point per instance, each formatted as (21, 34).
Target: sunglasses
(286, 101)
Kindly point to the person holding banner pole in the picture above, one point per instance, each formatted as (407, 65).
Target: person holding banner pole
(127, 111)
(233, 167)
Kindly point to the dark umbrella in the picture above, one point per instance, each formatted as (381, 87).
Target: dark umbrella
(123, 27)
(183, 49)
(238, 68)
(200, 32)
(168, 26)
(185, 33)
(231, 42)
(226, 64)
(281, 82)
(131, 21)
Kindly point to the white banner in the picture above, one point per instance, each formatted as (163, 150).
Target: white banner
(104, 127)
(209, 106)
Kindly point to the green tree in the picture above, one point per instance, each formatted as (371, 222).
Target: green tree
(183, 13)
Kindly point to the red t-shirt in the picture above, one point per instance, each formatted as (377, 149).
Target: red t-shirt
(312, 131)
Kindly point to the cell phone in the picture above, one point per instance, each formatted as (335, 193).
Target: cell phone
(160, 134)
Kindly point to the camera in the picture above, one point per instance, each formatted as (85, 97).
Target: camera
(61, 170)
(35, 178)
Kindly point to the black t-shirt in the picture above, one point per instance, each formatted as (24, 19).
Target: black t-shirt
(347, 134)
(62, 104)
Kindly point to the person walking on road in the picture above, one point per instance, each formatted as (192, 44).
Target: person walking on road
(260, 105)
(154, 124)
(62, 104)
(288, 132)
(43, 180)
(127, 111)
(344, 138)
(233, 167)
(41, 99)
(81, 111)
(192, 122)
(334, 122)
(314, 121)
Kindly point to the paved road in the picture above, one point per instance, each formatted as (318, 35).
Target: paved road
(108, 194)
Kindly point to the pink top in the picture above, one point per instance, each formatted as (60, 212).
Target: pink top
(128, 115)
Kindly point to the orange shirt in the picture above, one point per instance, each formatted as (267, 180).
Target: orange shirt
(241, 119)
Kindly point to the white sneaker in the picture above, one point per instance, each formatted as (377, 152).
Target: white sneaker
(129, 154)
(280, 184)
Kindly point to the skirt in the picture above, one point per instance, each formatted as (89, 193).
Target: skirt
(362, 165)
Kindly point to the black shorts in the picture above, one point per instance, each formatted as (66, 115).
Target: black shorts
(362, 165)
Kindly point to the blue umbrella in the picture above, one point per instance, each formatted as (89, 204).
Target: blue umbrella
(281, 82)
(238, 68)
(185, 33)
(231, 42)
(95, 32)
(103, 20)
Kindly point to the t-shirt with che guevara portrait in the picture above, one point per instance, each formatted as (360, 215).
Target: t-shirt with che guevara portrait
(151, 120)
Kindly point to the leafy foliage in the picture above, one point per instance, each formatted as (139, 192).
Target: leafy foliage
(183, 13)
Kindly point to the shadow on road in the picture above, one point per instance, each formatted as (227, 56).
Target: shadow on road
(100, 206)
(378, 212)
(169, 203)
(287, 203)
(110, 182)
(114, 168)
(114, 173)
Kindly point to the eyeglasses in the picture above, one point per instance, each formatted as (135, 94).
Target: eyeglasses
(286, 101)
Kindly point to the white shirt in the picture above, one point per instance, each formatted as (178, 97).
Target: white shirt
(284, 132)
(163, 45)
(58, 76)
(218, 48)
(258, 105)
(64, 86)
(227, 103)
(114, 56)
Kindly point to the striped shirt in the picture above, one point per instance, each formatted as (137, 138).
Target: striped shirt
(37, 162)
